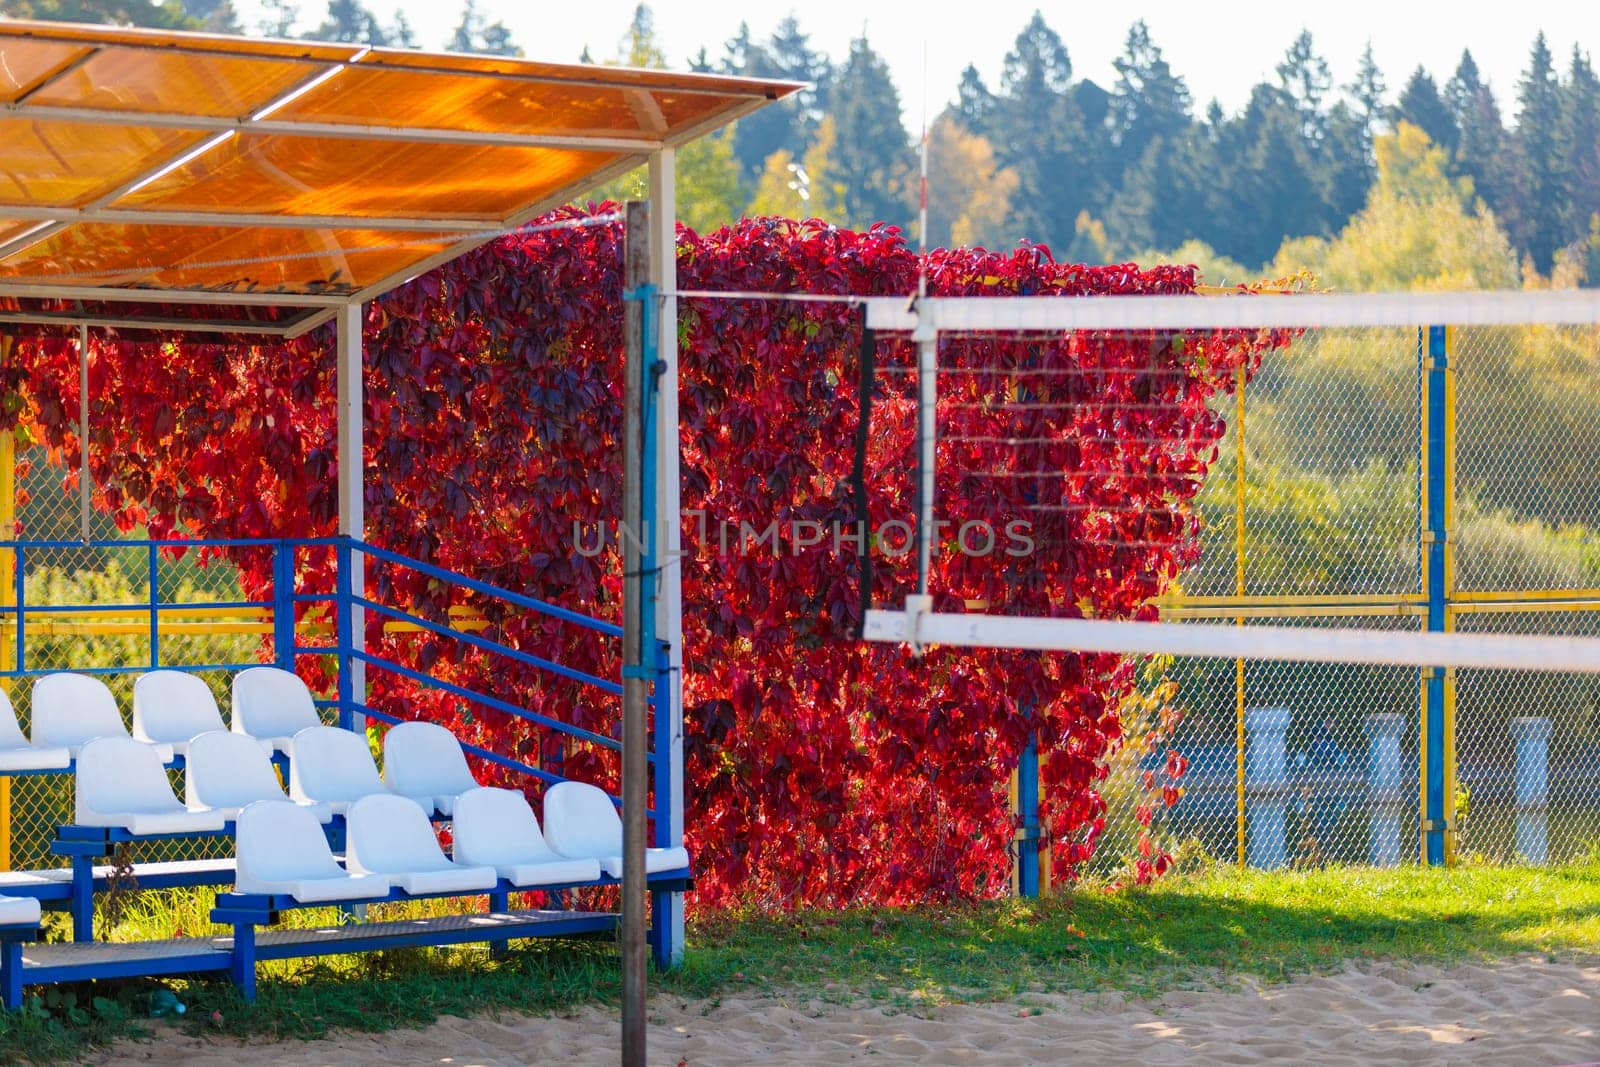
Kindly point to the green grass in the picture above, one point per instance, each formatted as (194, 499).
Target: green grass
(1208, 928)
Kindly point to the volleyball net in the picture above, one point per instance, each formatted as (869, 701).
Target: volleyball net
(1102, 422)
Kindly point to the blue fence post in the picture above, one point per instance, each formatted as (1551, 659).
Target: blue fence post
(1436, 803)
(283, 605)
(1028, 814)
(343, 637)
(666, 926)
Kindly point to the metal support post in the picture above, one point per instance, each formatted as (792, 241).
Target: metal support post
(1438, 684)
(667, 908)
(351, 620)
(638, 619)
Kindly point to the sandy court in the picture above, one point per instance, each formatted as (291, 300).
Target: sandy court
(1508, 1014)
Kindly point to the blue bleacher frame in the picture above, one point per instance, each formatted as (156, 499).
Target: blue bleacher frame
(84, 844)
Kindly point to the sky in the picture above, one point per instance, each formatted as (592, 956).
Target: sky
(1221, 50)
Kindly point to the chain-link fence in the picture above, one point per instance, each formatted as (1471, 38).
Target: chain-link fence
(117, 639)
(1406, 479)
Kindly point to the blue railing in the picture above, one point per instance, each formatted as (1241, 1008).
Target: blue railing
(277, 619)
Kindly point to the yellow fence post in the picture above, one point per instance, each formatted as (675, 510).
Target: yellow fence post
(1451, 833)
(1239, 591)
(8, 587)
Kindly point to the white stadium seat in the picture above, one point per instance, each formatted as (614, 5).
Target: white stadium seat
(70, 710)
(334, 767)
(282, 852)
(19, 911)
(121, 782)
(272, 704)
(423, 759)
(496, 828)
(391, 836)
(581, 821)
(228, 772)
(173, 708)
(16, 754)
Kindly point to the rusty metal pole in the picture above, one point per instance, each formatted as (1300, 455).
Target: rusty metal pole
(635, 682)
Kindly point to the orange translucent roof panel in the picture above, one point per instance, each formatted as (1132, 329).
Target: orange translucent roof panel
(238, 258)
(420, 99)
(69, 164)
(283, 175)
(166, 40)
(27, 63)
(136, 79)
(128, 157)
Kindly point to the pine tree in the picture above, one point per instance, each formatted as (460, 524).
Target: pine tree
(350, 21)
(1423, 107)
(1304, 78)
(639, 47)
(1148, 101)
(869, 156)
(1535, 217)
(1348, 167)
(1579, 148)
(474, 33)
(791, 123)
(1481, 150)
(974, 102)
(278, 18)
(158, 14)
(1367, 92)
(1166, 195)
(1038, 132)
(1268, 184)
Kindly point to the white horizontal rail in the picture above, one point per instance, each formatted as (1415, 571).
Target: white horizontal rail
(202, 297)
(159, 325)
(1308, 310)
(1520, 652)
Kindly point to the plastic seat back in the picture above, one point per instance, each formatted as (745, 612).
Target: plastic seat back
(580, 820)
(72, 709)
(174, 707)
(282, 842)
(271, 702)
(333, 765)
(228, 770)
(388, 834)
(117, 775)
(423, 759)
(497, 827)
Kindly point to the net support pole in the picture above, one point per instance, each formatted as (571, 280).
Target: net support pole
(1239, 591)
(666, 909)
(1437, 762)
(351, 621)
(1028, 817)
(927, 340)
(638, 620)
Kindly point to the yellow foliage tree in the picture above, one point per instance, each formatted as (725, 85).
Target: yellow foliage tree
(1421, 230)
(969, 194)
